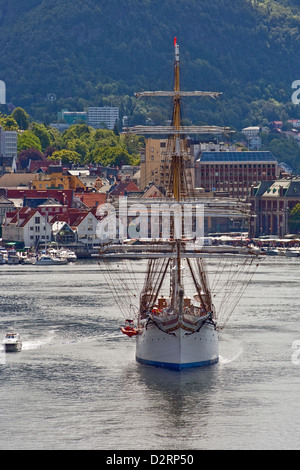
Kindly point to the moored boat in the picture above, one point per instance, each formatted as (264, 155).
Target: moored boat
(47, 260)
(12, 257)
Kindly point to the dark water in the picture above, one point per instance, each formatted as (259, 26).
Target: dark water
(76, 384)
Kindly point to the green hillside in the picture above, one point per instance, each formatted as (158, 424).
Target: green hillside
(99, 52)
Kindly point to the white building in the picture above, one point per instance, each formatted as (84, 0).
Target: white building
(99, 117)
(8, 147)
(252, 135)
(6, 205)
(250, 132)
(26, 225)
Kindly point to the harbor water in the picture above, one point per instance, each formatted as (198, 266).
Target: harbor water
(76, 384)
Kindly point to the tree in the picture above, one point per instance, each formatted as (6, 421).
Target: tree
(111, 156)
(8, 123)
(28, 140)
(29, 154)
(66, 156)
(78, 146)
(116, 129)
(21, 117)
(40, 131)
(294, 219)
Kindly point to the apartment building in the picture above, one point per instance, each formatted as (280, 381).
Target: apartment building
(152, 161)
(100, 116)
(8, 149)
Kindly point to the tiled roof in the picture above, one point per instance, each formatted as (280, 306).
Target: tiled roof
(21, 216)
(128, 186)
(73, 217)
(92, 199)
(64, 196)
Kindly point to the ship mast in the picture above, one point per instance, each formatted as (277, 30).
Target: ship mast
(176, 166)
(179, 165)
(176, 159)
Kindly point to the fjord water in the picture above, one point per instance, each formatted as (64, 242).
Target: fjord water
(76, 384)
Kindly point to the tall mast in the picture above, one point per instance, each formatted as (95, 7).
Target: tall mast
(176, 158)
(176, 163)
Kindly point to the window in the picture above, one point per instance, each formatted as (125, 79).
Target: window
(37, 220)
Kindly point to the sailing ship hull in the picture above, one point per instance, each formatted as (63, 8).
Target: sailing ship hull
(179, 350)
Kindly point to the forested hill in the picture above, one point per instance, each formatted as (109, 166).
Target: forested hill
(98, 52)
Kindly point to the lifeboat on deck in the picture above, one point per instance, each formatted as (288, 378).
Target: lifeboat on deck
(129, 329)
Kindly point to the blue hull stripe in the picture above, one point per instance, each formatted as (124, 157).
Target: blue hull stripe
(170, 365)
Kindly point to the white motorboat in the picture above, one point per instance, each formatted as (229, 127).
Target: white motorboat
(12, 257)
(292, 253)
(47, 260)
(12, 342)
(68, 254)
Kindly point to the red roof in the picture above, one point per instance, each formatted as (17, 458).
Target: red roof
(63, 196)
(21, 216)
(128, 186)
(92, 199)
(73, 217)
(38, 164)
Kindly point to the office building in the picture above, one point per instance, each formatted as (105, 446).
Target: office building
(103, 117)
(234, 172)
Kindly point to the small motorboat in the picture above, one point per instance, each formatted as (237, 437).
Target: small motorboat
(12, 342)
(46, 260)
(129, 329)
(12, 257)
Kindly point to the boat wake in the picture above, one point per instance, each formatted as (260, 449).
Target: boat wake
(40, 342)
(230, 359)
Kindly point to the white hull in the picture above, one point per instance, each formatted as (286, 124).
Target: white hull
(47, 261)
(12, 342)
(13, 347)
(181, 350)
(15, 260)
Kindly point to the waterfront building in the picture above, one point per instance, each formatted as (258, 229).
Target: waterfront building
(26, 225)
(82, 223)
(271, 204)
(6, 205)
(234, 172)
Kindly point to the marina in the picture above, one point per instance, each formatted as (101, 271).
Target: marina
(76, 380)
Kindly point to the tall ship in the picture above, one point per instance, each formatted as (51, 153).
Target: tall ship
(175, 325)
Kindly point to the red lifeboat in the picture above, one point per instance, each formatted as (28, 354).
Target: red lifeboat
(129, 329)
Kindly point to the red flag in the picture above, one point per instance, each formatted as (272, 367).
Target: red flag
(175, 41)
